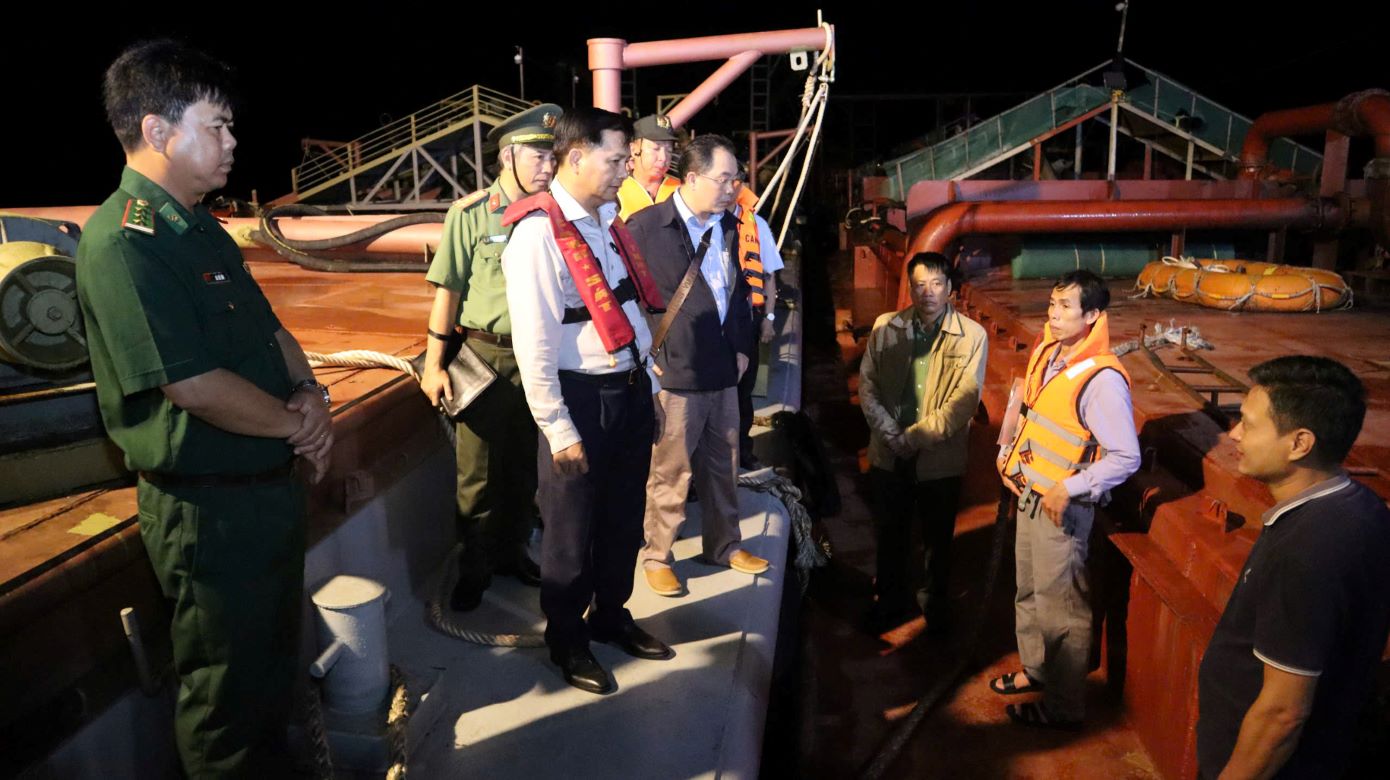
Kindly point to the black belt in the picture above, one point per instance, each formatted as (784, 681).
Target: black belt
(495, 339)
(613, 379)
(624, 292)
(162, 481)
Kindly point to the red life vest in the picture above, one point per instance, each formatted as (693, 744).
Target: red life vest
(612, 324)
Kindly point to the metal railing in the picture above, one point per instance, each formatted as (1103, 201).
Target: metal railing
(1216, 128)
(329, 165)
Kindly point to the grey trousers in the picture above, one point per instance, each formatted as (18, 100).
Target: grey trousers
(699, 441)
(1052, 610)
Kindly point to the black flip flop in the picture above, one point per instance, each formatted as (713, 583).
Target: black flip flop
(1033, 715)
(1004, 685)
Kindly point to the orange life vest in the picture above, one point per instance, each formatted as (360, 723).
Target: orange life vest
(1052, 443)
(612, 324)
(633, 197)
(750, 257)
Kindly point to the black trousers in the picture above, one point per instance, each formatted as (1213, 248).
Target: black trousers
(745, 393)
(901, 500)
(593, 521)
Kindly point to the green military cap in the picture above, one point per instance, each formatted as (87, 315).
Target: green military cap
(535, 127)
(654, 127)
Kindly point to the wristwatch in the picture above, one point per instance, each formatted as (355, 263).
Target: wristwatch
(772, 316)
(323, 389)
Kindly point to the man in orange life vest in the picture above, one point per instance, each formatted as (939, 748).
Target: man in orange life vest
(576, 289)
(652, 147)
(1074, 442)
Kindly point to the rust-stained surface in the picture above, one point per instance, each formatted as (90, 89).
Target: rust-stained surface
(1199, 517)
(1176, 536)
(60, 591)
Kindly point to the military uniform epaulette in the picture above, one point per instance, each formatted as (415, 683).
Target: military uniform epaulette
(469, 200)
(138, 216)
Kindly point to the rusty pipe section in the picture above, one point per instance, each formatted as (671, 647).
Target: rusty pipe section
(942, 227)
(1359, 114)
(412, 240)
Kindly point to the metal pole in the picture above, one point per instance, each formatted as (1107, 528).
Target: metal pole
(477, 143)
(1114, 135)
(1076, 169)
(520, 60)
(1190, 148)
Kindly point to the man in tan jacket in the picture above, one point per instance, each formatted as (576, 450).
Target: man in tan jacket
(919, 386)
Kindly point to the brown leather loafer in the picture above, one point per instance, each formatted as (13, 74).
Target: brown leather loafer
(663, 581)
(747, 562)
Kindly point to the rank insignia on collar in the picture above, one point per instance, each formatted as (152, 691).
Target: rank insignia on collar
(495, 202)
(470, 199)
(138, 216)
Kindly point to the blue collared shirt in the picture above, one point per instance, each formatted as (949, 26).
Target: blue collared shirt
(714, 266)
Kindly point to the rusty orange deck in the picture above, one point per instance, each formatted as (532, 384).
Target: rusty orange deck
(68, 565)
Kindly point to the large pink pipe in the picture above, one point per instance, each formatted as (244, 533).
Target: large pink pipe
(712, 86)
(1360, 114)
(606, 63)
(719, 47)
(608, 57)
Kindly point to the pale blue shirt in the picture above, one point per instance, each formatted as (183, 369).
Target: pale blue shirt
(767, 247)
(1107, 412)
(714, 266)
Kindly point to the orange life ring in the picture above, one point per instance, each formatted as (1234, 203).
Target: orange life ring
(1244, 285)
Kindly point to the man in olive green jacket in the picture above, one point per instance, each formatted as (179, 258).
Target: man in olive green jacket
(919, 386)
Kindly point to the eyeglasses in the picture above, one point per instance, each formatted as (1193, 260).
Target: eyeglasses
(722, 183)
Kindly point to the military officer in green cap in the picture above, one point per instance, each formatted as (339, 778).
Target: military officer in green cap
(211, 400)
(496, 442)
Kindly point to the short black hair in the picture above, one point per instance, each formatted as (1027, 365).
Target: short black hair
(1095, 296)
(583, 128)
(698, 155)
(932, 261)
(1319, 394)
(161, 77)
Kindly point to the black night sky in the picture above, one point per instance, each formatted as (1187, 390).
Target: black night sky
(339, 73)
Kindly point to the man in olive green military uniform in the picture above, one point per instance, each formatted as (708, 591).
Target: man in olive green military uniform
(496, 441)
(211, 400)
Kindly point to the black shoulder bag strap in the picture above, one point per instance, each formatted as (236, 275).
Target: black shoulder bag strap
(681, 293)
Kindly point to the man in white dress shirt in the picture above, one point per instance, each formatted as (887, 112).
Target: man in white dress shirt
(584, 367)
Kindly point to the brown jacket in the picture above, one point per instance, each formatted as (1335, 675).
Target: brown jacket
(954, 380)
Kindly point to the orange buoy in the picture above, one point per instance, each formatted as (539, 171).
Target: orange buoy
(1244, 285)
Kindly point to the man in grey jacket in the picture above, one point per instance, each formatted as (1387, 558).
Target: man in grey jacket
(919, 386)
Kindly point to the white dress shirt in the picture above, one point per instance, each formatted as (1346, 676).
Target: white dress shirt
(539, 289)
(714, 266)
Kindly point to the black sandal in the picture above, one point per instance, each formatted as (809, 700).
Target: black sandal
(1004, 685)
(1034, 715)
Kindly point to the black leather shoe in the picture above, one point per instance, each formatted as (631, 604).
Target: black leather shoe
(637, 643)
(582, 670)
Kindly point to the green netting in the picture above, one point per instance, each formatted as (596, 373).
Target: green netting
(1048, 258)
(1155, 95)
(960, 153)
